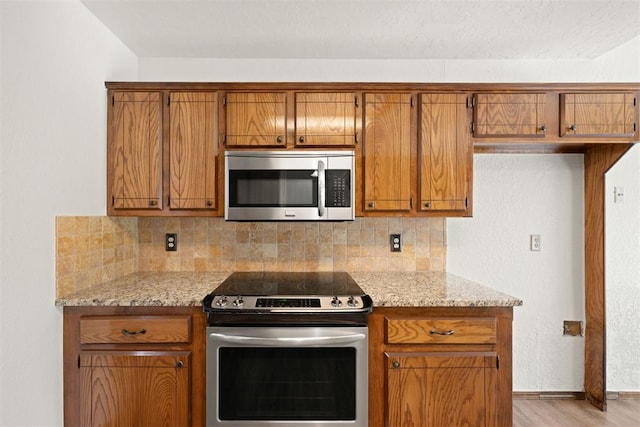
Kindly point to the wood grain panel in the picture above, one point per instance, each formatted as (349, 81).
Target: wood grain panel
(256, 119)
(135, 329)
(193, 150)
(138, 388)
(135, 150)
(325, 119)
(441, 389)
(429, 331)
(509, 114)
(598, 160)
(446, 152)
(598, 114)
(387, 152)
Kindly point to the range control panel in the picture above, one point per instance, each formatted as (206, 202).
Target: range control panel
(343, 303)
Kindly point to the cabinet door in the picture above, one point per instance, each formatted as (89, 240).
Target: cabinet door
(441, 389)
(192, 150)
(446, 153)
(134, 388)
(598, 114)
(509, 114)
(387, 152)
(255, 119)
(326, 119)
(135, 156)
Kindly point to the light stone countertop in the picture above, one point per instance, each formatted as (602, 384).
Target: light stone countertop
(397, 289)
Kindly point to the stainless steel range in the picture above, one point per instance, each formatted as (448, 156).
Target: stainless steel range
(287, 349)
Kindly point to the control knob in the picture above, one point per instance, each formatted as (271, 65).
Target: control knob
(351, 302)
(335, 302)
(222, 301)
(238, 301)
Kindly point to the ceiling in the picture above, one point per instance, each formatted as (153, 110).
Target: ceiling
(370, 29)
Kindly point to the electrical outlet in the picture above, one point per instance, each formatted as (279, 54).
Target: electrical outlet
(171, 242)
(396, 242)
(618, 194)
(536, 242)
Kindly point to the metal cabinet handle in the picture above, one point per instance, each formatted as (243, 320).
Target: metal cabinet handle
(152, 203)
(573, 128)
(427, 205)
(543, 128)
(395, 364)
(301, 139)
(371, 204)
(131, 333)
(209, 203)
(279, 138)
(441, 332)
(179, 364)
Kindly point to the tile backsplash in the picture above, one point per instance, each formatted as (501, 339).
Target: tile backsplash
(91, 250)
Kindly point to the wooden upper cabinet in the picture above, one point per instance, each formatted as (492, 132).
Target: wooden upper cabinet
(388, 168)
(255, 119)
(598, 115)
(509, 115)
(134, 151)
(326, 119)
(446, 153)
(192, 150)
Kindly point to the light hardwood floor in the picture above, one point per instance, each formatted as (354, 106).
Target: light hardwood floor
(575, 413)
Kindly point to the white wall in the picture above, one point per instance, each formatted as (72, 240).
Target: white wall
(620, 65)
(622, 274)
(514, 195)
(55, 59)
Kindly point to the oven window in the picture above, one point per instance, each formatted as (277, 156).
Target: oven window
(273, 188)
(287, 383)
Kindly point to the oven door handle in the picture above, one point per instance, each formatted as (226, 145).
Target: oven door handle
(288, 341)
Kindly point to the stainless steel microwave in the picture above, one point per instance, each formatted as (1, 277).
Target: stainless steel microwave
(289, 185)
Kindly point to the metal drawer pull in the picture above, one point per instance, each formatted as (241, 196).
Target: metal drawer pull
(179, 364)
(128, 332)
(395, 364)
(441, 332)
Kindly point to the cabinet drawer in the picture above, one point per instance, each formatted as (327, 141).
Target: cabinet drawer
(477, 330)
(135, 329)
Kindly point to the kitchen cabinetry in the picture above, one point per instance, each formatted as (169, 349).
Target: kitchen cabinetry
(135, 151)
(192, 150)
(509, 115)
(436, 366)
(389, 169)
(162, 154)
(612, 115)
(134, 366)
(255, 119)
(326, 119)
(445, 153)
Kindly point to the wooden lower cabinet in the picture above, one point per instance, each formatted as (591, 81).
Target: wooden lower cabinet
(440, 367)
(134, 366)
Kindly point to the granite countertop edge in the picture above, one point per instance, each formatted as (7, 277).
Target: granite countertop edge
(387, 289)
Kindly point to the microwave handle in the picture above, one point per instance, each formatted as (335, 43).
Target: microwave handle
(321, 188)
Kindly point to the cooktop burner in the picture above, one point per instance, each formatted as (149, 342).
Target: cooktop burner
(288, 283)
(301, 297)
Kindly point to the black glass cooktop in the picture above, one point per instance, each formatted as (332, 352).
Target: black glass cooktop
(288, 283)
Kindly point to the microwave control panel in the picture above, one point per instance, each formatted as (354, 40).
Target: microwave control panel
(338, 188)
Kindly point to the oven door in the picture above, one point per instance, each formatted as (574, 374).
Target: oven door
(287, 376)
